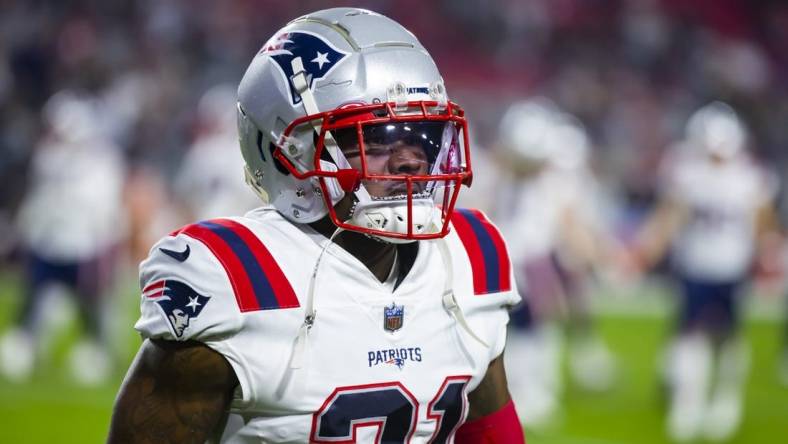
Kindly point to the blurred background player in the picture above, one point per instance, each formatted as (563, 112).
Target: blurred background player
(70, 226)
(781, 263)
(782, 359)
(782, 369)
(556, 244)
(208, 184)
(715, 205)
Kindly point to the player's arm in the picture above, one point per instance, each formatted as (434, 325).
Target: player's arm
(491, 416)
(661, 226)
(767, 222)
(593, 247)
(173, 392)
(769, 243)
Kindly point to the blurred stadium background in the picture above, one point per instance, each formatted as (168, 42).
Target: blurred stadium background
(631, 70)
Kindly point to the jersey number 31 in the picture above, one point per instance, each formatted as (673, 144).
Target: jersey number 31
(391, 408)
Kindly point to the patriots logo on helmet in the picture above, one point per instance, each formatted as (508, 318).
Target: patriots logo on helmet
(178, 301)
(318, 56)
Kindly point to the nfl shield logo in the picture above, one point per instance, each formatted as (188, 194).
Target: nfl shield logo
(392, 317)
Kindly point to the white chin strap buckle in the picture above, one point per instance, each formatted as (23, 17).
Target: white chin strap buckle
(393, 218)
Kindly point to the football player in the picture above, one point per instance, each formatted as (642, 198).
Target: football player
(359, 305)
(70, 226)
(782, 364)
(548, 223)
(208, 183)
(715, 206)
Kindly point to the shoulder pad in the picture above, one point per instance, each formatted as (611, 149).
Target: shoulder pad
(198, 281)
(257, 280)
(486, 251)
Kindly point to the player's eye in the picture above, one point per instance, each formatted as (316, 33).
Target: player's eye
(375, 150)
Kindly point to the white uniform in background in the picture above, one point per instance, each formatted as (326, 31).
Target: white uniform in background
(209, 184)
(375, 355)
(551, 197)
(718, 242)
(720, 192)
(70, 223)
(531, 223)
(74, 209)
(712, 256)
(533, 354)
(210, 181)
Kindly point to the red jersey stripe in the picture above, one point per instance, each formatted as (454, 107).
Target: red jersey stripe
(242, 286)
(471, 244)
(283, 291)
(153, 286)
(504, 265)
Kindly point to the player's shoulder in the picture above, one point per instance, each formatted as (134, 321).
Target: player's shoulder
(483, 281)
(223, 266)
(763, 179)
(479, 249)
(248, 251)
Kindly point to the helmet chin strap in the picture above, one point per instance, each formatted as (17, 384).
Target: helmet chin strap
(393, 218)
(301, 345)
(301, 84)
(448, 298)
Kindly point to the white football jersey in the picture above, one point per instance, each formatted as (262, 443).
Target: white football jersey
(532, 220)
(209, 181)
(376, 366)
(74, 208)
(717, 243)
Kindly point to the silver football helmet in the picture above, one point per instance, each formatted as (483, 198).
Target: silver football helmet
(525, 130)
(717, 130)
(347, 102)
(71, 117)
(568, 144)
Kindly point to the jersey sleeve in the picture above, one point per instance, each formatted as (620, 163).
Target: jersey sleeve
(186, 293)
(485, 284)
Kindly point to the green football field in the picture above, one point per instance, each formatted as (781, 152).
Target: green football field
(52, 409)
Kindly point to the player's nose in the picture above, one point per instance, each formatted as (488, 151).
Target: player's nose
(408, 160)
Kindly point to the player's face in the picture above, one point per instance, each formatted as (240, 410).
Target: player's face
(404, 149)
(717, 159)
(397, 158)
